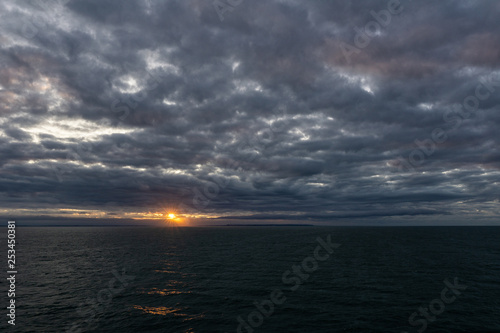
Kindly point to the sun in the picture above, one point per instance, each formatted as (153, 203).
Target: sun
(174, 219)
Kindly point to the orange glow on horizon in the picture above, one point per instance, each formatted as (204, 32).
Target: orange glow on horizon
(173, 219)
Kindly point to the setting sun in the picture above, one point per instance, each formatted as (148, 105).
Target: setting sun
(174, 219)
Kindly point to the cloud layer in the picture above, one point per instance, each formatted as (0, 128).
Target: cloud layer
(282, 110)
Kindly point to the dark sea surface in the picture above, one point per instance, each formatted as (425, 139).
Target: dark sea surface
(132, 279)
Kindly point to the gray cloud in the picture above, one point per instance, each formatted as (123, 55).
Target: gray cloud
(142, 106)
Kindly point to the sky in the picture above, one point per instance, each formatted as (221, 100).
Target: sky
(238, 111)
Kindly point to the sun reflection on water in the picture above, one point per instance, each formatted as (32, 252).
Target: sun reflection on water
(166, 292)
(168, 311)
(161, 310)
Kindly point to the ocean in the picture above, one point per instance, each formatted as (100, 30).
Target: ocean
(256, 279)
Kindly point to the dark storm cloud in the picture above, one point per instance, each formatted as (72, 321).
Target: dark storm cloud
(141, 105)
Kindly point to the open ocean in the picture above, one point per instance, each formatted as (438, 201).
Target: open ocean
(134, 279)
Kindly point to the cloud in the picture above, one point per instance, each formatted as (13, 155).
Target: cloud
(141, 106)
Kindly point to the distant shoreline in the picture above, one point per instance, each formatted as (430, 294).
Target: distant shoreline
(262, 225)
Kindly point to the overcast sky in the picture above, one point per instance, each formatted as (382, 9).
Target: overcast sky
(271, 111)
